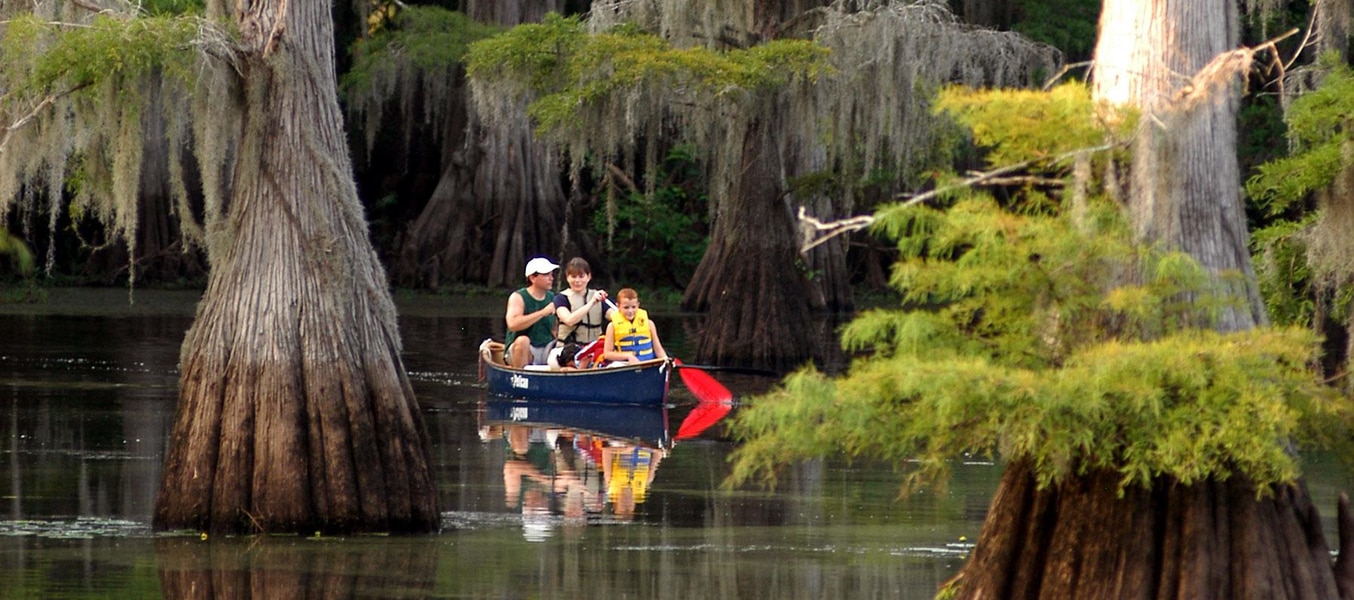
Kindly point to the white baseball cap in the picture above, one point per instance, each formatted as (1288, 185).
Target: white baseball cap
(540, 265)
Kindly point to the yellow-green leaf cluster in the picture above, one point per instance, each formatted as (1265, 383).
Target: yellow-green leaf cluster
(563, 68)
(1017, 125)
(1189, 406)
(40, 57)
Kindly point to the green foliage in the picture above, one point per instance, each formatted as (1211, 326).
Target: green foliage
(164, 8)
(657, 238)
(1319, 126)
(1190, 406)
(1038, 329)
(1281, 269)
(1018, 125)
(427, 38)
(1299, 253)
(562, 67)
(42, 57)
(20, 256)
(1068, 25)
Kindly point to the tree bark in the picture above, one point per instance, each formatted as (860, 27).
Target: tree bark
(1215, 539)
(1185, 183)
(498, 200)
(295, 414)
(748, 279)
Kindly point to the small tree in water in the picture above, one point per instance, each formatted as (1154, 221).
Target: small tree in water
(295, 414)
(1148, 453)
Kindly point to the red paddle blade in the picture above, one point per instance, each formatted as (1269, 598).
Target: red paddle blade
(701, 418)
(704, 387)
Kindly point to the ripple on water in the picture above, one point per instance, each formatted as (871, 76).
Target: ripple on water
(78, 528)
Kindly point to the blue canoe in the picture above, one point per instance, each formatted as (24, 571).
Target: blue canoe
(644, 383)
(642, 425)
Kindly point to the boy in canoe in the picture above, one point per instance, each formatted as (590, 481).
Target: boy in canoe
(531, 316)
(631, 336)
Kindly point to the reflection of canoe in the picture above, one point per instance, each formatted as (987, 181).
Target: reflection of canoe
(643, 383)
(643, 425)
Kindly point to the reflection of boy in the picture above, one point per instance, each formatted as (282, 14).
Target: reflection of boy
(629, 470)
(582, 312)
(631, 336)
(531, 316)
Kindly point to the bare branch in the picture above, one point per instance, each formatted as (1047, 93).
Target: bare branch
(814, 233)
(33, 114)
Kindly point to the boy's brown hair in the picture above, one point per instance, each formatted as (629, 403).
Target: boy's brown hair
(627, 293)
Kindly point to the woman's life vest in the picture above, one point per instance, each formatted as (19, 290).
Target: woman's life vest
(593, 323)
(633, 336)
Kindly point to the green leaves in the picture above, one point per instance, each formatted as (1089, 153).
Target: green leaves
(42, 57)
(562, 68)
(1189, 406)
(427, 38)
(1017, 125)
(1040, 330)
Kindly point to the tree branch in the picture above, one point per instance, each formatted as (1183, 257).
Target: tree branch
(814, 233)
(42, 105)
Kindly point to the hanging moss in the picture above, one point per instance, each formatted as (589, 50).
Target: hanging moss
(414, 59)
(73, 107)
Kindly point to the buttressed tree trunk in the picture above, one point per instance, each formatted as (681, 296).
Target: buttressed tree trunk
(295, 414)
(498, 200)
(748, 278)
(1213, 538)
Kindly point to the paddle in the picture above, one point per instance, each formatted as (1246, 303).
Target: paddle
(727, 369)
(703, 386)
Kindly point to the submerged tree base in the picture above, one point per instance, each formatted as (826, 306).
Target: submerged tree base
(1213, 539)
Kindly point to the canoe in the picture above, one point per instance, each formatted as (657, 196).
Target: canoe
(643, 383)
(633, 423)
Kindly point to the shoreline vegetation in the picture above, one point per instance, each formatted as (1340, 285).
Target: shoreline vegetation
(124, 301)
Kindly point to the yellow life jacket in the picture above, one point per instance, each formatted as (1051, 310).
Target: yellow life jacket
(633, 336)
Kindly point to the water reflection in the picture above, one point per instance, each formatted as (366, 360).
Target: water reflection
(630, 507)
(571, 463)
(288, 567)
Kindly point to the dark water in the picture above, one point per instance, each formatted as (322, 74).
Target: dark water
(616, 510)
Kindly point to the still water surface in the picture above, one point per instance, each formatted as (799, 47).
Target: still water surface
(532, 508)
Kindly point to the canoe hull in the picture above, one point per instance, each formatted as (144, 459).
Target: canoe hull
(644, 384)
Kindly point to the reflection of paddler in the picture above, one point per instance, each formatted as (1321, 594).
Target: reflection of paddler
(629, 471)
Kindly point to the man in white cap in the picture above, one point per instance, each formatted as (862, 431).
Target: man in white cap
(531, 315)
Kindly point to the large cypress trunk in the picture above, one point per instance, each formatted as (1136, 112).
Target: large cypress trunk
(748, 279)
(1212, 538)
(498, 199)
(295, 414)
